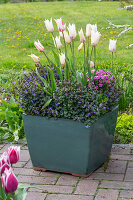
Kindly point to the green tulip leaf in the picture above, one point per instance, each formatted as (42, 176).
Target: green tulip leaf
(47, 103)
(21, 194)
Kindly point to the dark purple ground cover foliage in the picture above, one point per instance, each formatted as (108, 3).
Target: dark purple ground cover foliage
(70, 100)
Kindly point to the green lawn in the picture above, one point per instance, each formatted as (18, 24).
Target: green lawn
(22, 24)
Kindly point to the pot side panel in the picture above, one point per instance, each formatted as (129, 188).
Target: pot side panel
(101, 139)
(66, 145)
(61, 145)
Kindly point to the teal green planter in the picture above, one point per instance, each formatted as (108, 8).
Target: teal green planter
(67, 146)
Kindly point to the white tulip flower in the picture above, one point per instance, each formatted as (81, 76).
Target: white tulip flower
(95, 36)
(67, 37)
(62, 59)
(94, 28)
(61, 34)
(80, 47)
(35, 58)
(81, 35)
(39, 46)
(112, 45)
(60, 25)
(92, 65)
(57, 42)
(88, 30)
(72, 31)
(49, 25)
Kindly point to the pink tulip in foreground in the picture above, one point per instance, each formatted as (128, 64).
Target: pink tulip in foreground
(4, 162)
(3, 168)
(14, 154)
(9, 181)
(35, 58)
(39, 46)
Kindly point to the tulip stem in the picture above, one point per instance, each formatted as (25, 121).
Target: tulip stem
(91, 53)
(94, 57)
(47, 68)
(13, 197)
(1, 190)
(73, 53)
(52, 34)
(88, 49)
(65, 45)
(112, 60)
(84, 53)
(47, 58)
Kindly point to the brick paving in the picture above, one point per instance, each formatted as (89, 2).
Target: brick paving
(113, 182)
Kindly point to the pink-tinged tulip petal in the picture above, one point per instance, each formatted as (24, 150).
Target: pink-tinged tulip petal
(81, 74)
(9, 181)
(4, 159)
(39, 46)
(4, 162)
(14, 154)
(35, 58)
(2, 169)
(81, 35)
(72, 31)
(95, 37)
(60, 25)
(92, 71)
(67, 37)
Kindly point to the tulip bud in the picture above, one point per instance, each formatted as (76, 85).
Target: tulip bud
(80, 46)
(112, 45)
(14, 154)
(72, 31)
(57, 42)
(94, 28)
(95, 36)
(61, 34)
(92, 64)
(67, 37)
(81, 35)
(60, 25)
(35, 58)
(88, 30)
(62, 58)
(9, 181)
(49, 25)
(39, 46)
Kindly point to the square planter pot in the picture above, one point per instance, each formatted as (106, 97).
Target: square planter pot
(67, 146)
